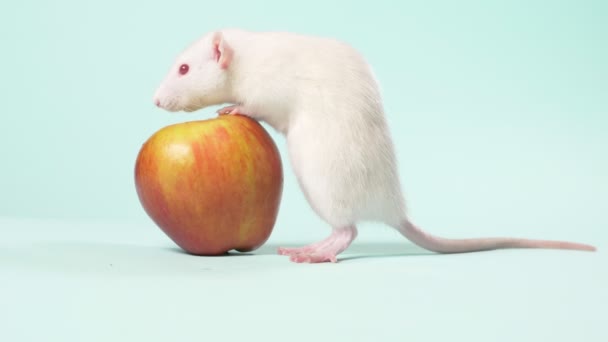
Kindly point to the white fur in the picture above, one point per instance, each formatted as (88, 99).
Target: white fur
(322, 95)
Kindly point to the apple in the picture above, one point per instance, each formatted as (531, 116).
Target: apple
(211, 185)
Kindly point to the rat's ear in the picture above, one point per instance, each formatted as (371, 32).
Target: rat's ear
(222, 52)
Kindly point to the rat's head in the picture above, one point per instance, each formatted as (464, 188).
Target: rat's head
(198, 77)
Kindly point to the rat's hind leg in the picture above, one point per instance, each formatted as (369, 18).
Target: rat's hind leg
(326, 250)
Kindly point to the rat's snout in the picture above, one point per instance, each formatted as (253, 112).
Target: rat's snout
(159, 98)
(158, 103)
(167, 103)
(158, 95)
(166, 99)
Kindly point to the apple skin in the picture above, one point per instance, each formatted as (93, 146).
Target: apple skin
(211, 185)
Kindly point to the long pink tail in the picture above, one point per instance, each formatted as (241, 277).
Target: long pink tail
(443, 245)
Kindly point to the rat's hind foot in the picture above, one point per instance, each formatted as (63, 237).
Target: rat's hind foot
(323, 251)
(305, 249)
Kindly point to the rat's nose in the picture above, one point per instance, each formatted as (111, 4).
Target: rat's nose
(157, 103)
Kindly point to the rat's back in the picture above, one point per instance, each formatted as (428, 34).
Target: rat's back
(293, 70)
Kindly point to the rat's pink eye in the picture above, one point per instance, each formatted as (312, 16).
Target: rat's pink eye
(183, 69)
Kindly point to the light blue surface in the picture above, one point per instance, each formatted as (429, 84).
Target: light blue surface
(499, 116)
(99, 282)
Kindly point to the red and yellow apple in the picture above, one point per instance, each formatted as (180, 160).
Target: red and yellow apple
(212, 185)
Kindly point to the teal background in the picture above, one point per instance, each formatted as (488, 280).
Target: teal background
(499, 115)
(498, 110)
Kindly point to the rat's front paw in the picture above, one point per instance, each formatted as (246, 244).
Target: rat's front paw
(232, 110)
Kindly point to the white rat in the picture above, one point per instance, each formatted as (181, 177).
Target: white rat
(323, 97)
